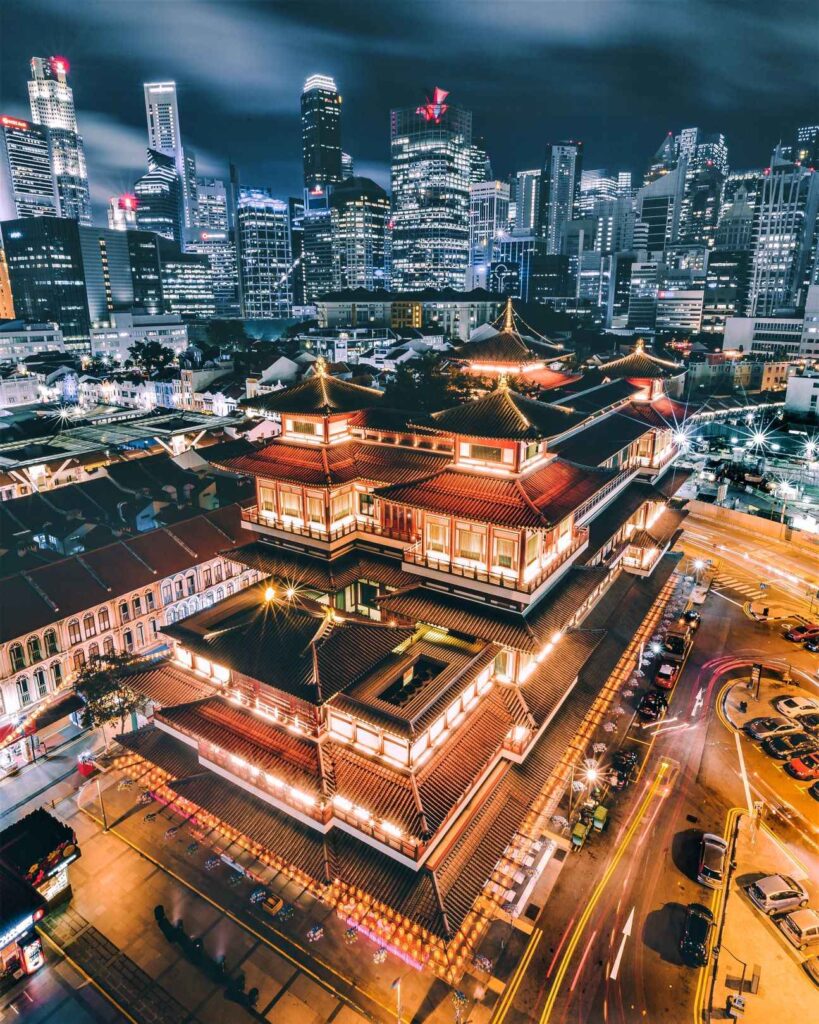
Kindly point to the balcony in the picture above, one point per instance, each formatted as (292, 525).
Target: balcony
(653, 468)
(416, 559)
(337, 536)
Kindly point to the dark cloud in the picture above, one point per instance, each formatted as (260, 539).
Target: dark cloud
(617, 73)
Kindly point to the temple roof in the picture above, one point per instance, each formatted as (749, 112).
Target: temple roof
(528, 631)
(296, 645)
(601, 439)
(541, 498)
(330, 465)
(299, 569)
(318, 395)
(641, 364)
(505, 414)
(507, 347)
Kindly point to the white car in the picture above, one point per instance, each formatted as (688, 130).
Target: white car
(793, 707)
(775, 893)
(801, 928)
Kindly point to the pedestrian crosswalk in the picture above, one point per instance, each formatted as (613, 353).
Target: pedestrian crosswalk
(746, 587)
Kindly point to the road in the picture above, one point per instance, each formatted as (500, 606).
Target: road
(790, 574)
(609, 951)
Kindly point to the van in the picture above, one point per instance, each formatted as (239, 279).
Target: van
(801, 928)
(677, 642)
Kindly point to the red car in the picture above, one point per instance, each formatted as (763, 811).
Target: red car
(801, 633)
(805, 767)
(666, 675)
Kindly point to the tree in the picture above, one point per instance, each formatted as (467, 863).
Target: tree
(150, 356)
(427, 385)
(108, 696)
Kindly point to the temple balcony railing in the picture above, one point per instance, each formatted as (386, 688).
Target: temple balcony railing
(416, 558)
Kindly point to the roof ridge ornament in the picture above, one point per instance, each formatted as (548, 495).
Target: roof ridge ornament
(508, 316)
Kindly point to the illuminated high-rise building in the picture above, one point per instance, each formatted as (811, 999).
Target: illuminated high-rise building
(214, 238)
(27, 185)
(806, 150)
(596, 185)
(321, 132)
(165, 136)
(159, 198)
(360, 217)
(265, 255)
(488, 217)
(431, 165)
(52, 106)
(784, 239)
(122, 212)
(559, 191)
(527, 202)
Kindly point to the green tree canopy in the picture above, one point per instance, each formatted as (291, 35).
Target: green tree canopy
(427, 385)
(150, 356)
(104, 687)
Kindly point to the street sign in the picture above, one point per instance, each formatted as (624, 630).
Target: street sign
(756, 679)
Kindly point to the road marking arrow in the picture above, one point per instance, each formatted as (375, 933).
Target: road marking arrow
(626, 932)
(698, 702)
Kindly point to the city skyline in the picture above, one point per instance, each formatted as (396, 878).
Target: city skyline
(591, 68)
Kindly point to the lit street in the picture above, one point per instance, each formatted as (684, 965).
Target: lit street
(611, 928)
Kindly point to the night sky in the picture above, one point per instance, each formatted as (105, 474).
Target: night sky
(618, 74)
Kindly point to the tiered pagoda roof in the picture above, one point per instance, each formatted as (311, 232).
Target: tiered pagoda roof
(641, 365)
(541, 498)
(318, 395)
(508, 347)
(330, 465)
(504, 413)
(299, 646)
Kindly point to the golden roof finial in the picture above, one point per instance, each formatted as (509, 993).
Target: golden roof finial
(321, 366)
(508, 321)
(640, 345)
(503, 381)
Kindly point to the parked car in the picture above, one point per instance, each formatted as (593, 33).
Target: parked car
(677, 641)
(775, 893)
(791, 745)
(653, 706)
(811, 966)
(814, 790)
(809, 721)
(798, 634)
(801, 927)
(812, 645)
(713, 854)
(796, 706)
(666, 675)
(694, 941)
(769, 725)
(804, 767)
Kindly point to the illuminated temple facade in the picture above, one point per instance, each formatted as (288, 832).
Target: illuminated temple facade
(377, 717)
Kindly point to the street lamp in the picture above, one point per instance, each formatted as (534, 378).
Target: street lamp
(699, 565)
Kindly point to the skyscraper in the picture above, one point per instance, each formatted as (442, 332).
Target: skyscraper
(317, 263)
(595, 186)
(321, 132)
(27, 186)
(265, 257)
(159, 198)
(784, 236)
(431, 162)
(663, 161)
(360, 216)
(527, 207)
(807, 144)
(214, 238)
(165, 136)
(488, 217)
(52, 106)
(659, 205)
(559, 190)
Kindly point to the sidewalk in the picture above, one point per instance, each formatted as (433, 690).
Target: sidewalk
(750, 938)
(45, 780)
